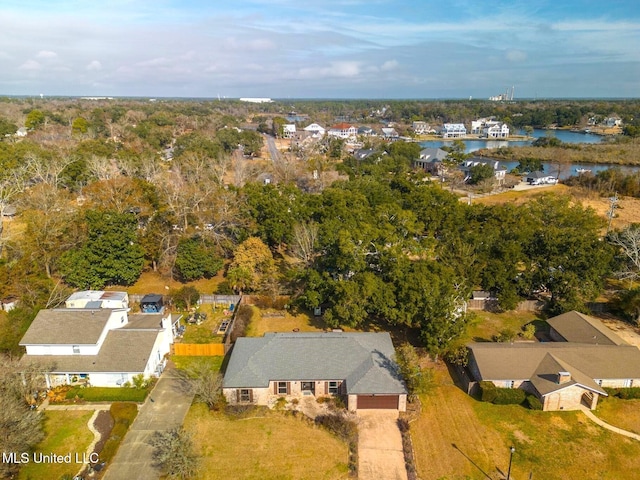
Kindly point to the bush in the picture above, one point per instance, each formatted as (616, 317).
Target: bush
(509, 396)
(533, 402)
(346, 430)
(501, 396)
(624, 393)
(123, 415)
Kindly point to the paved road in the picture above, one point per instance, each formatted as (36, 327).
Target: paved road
(273, 150)
(380, 454)
(165, 408)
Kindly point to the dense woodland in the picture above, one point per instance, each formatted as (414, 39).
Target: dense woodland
(99, 199)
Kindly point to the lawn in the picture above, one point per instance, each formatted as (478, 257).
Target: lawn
(153, 282)
(484, 325)
(268, 446)
(206, 332)
(65, 432)
(303, 322)
(620, 413)
(457, 437)
(196, 363)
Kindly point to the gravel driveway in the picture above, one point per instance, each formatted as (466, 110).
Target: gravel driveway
(380, 455)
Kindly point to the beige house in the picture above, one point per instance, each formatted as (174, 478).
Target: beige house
(356, 366)
(566, 373)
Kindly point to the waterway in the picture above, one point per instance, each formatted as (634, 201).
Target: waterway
(561, 171)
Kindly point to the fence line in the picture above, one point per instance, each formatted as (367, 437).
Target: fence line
(198, 349)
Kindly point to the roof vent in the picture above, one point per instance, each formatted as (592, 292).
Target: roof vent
(563, 377)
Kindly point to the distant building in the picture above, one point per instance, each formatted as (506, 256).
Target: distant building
(256, 100)
(489, 128)
(343, 130)
(454, 130)
(431, 160)
(500, 173)
(422, 128)
(288, 130)
(315, 130)
(540, 178)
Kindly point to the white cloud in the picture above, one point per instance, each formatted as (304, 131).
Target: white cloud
(46, 54)
(343, 69)
(94, 65)
(30, 65)
(516, 56)
(389, 65)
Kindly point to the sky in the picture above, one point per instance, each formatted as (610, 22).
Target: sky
(320, 48)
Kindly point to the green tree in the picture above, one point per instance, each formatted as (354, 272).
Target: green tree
(110, 254)
(79, 126)
(418, 380)
(185, 297)
(34, 119)
(480, 172)
(196, 258)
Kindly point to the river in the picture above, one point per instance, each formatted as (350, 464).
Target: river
(566, 136)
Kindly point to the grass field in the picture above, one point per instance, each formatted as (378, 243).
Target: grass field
(206, 332)
(188, 363)
(273, 446)
(457, 437)
(620, 413)
(66, 432)
(153, 282)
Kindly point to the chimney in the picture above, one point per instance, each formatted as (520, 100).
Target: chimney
(563, 377)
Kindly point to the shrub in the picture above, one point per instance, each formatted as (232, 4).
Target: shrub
(533, 402)
(123, 415)
(509, 396)
(345, 429)
(624, 393)
(488, 392)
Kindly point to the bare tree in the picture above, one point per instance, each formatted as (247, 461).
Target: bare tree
(173, 452)
(628, 243)
(303, 246)
(46, 170)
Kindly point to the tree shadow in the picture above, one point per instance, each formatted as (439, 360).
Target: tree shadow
(486, 475)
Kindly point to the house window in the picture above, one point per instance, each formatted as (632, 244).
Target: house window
(334, 387)
(282, 388)
(76, 349)
(510, 384)
(599, 382)
(245, 395)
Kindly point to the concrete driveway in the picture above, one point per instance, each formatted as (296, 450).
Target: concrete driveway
(380, 455)
(165, 408)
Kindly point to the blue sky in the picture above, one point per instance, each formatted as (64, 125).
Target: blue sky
(320, 49)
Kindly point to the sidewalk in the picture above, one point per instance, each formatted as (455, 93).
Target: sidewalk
(165, 408)
(604, 424)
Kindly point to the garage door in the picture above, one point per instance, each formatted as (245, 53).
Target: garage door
(377, 401)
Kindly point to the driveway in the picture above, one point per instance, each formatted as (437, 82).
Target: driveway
(165, 408)
(380, 455)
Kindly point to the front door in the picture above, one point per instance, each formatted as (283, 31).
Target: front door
(308, 387)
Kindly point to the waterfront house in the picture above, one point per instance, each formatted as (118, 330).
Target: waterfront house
(500, 172)
(540, 178)
(431, 160)
(454, 130)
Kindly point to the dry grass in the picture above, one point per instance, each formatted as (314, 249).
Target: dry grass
(66, 432)
(457, 437)
(620, 413)
(519, 197)
(273, 446)
(485, 325)
(154, 282)
(302, 322)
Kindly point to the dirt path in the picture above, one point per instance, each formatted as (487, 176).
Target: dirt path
(380, 454)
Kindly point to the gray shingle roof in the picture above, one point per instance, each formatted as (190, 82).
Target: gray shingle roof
(363, 360)
(66, 326)
(520, 361)
(123, 351)
(580, 328)
(545, 377)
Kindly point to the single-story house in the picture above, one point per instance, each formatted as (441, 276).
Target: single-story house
(357, 366)
(104, 347)
(564, 375)
(540, 178)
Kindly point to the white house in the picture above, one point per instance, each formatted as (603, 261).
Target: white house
(500, 172)
(454, 130)
(421, 128)
(97, 299)
(105, 347)
(489, 128)
(288, 130)
(343, 130)
(315, 130)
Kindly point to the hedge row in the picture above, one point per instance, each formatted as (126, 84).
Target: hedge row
(624, 393)
(501, 396)
(108, 394)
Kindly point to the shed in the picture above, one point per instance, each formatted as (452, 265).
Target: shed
(152, 303)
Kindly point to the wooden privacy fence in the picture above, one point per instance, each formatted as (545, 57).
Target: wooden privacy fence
(198, 349)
